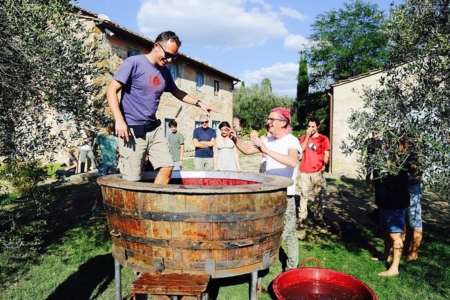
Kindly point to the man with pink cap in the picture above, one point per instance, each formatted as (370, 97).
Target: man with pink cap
(282, 152)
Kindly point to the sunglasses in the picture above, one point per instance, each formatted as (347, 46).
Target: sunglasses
(204, 122)
(168, 55)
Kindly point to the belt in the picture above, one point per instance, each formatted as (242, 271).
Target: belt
(290, 196)
(140, 130)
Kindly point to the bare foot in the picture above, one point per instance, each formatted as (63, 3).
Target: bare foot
(381, 258)
(412, 257)
(389, 273)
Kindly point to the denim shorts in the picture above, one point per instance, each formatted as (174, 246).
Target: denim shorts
(414, 212)
(104, 170)
(392, 220)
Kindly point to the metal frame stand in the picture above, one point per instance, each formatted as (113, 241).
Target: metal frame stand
(118, 279)
(255, 282)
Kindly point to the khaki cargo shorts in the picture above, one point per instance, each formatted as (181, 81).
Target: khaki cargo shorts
(132, 153)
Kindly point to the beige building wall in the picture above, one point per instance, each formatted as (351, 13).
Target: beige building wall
(346, 97)
(186, 115)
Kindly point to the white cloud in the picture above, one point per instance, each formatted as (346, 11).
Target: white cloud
(295, 42)
(292, 13)
(218, 24)
(282, 76)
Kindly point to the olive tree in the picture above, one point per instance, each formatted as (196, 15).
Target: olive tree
(49, 64)
(47, 67)
(413, 100)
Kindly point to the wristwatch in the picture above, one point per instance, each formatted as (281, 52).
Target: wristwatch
(196, 103)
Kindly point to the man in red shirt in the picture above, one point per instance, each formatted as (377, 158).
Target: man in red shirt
(316, 153)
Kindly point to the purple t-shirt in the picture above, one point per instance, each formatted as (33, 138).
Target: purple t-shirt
(143, 85)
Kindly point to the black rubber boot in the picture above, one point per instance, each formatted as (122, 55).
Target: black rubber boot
(82, 167)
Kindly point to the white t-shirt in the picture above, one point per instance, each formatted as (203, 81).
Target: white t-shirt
(283, 146)
(86, 143)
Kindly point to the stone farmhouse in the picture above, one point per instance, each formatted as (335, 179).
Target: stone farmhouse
(204, 82)
(345, 96)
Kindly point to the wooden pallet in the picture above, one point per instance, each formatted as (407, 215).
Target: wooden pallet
(184, 286)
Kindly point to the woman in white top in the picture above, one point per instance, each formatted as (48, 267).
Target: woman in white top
(86, 150)
(226, 156)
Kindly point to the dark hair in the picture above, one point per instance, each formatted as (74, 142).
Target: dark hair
(173, 123)
(315, 120)
(224, 123)
(168, 35)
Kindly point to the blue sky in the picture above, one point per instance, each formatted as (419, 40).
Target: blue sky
(248, 39)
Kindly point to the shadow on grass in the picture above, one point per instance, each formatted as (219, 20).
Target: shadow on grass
(94, 275)
(346, 208)
(349, 203)
(215, 285)
(432, 267)
(70, 209)
(66, 207)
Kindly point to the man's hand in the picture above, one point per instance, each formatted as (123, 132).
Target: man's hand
(258, 144)
(231, 133)
(122, 130)
(309, 132)
(207, 109)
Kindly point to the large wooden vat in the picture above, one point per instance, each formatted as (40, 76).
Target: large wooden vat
(217, 223)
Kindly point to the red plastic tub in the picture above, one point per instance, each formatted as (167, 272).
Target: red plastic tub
(307, 283)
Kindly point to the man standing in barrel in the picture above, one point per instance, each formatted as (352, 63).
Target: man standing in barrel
(142, 79)
(316, 153)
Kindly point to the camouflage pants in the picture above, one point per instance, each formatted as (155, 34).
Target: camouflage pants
(317, 183)
(289, 235)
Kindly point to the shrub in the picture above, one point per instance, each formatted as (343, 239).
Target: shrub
(6, 199)
(24, 176)
(262, 132)
(51, 169)
(298, 133)
(21, 225)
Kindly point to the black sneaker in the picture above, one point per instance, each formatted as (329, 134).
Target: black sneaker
(94, 210)
(320, 223)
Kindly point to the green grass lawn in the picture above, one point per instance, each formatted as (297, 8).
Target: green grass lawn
(75, 260)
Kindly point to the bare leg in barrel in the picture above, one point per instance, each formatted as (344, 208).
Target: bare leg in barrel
(163, 176)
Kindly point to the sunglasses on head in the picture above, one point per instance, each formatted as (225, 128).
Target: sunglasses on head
(168, 55)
